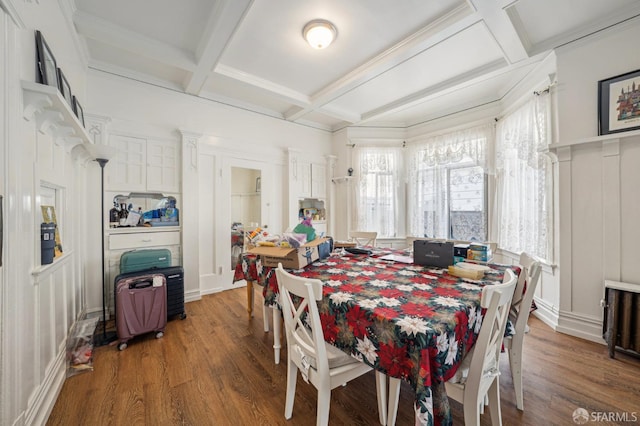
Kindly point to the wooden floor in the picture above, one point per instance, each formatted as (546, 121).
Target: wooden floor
(216, 368)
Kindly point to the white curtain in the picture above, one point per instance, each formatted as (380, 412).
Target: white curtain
(428, 161)
(378, 192)
(523, 179)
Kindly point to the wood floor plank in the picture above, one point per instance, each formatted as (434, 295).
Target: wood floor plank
(216, 368)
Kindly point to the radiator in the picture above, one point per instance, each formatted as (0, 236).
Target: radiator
(621, 328)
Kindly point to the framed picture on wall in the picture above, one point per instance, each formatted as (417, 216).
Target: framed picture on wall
(619, 103)
(46, 62)
(77, 108)
(65, 89)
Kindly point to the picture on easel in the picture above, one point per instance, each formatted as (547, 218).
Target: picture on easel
(49, 216)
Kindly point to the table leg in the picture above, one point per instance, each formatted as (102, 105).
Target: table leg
(277, 327)
(250, 298)
(381, 388)
(394, 397)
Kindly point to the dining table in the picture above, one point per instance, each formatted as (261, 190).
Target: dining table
(408, 321)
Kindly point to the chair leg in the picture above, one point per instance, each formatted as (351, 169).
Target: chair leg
(277, 327)
(515, 364)
(381, 388)
(471, 407)
(324, 400)
(394, 396)
(265, 317)
(292, 376)
(494, 403)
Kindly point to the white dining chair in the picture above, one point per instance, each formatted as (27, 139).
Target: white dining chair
(364, 238)
(477, 375)
(519, 316)
(320, 363)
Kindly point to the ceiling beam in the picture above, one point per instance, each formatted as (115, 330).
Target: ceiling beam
(281, 92)
(448, 25)
(121, 38)
(458, 82)
(617, 18)
(223, 23)
(498, 21)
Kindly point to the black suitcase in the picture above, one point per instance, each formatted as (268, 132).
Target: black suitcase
(175, 288)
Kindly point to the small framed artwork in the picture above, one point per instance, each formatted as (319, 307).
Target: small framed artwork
(47, 68)
(65, 89)
(77, 108)
(618, 106)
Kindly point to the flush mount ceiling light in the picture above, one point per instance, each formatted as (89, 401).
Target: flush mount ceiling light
(319, 33)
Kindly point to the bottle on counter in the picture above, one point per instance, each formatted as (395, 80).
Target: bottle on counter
(114, 216)
(123, 214)
(172, 212)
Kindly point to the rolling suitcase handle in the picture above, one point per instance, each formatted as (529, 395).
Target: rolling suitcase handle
(143, 283)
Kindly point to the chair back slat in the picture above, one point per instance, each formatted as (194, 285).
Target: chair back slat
(497, 300)
(525, 289)
(298, 297)
(364, 238)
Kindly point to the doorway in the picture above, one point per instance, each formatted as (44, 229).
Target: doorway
(246, 202)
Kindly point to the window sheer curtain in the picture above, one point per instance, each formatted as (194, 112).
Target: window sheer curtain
(427, 163)
(378, 192)
(523, 179)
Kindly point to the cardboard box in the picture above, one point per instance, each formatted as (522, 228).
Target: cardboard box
(293, 258)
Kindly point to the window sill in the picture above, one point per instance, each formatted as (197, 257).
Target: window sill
(51, 267)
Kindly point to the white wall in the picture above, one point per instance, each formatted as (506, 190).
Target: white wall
(598, 181)
(217, 138)
(38, 304)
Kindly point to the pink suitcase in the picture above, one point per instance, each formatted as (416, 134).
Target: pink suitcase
(141, 306)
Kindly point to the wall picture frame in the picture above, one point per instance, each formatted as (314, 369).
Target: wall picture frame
(618, 106)
(65, 88)
(78, 110)
(46, 62)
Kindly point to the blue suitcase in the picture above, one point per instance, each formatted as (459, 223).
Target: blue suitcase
(142, 260)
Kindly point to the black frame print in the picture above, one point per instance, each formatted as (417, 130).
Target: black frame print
(47, 66)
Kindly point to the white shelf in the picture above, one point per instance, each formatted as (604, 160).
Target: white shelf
(597, 139)
(53, 115)
(341, 179)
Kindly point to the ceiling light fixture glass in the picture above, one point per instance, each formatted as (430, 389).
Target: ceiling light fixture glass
(319, 33)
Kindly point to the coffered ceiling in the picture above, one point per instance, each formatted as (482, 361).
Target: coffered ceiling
(395, 63)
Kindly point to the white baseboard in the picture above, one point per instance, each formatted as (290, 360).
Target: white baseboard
(581, 326)
(42, 402)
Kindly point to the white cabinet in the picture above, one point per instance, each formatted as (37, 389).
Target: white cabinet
(318, 180)
(143, 164)
(311, 179)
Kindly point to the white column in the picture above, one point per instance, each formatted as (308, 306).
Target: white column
(189, 217)
(611, 212)
(564, 228)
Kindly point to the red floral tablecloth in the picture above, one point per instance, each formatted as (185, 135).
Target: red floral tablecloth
(405, 320)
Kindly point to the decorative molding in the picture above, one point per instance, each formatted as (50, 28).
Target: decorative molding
(611, 148)
(190, 147)
(11, 10)
(53, 115)
(48, 121)
(35, 103)
(97, 126)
